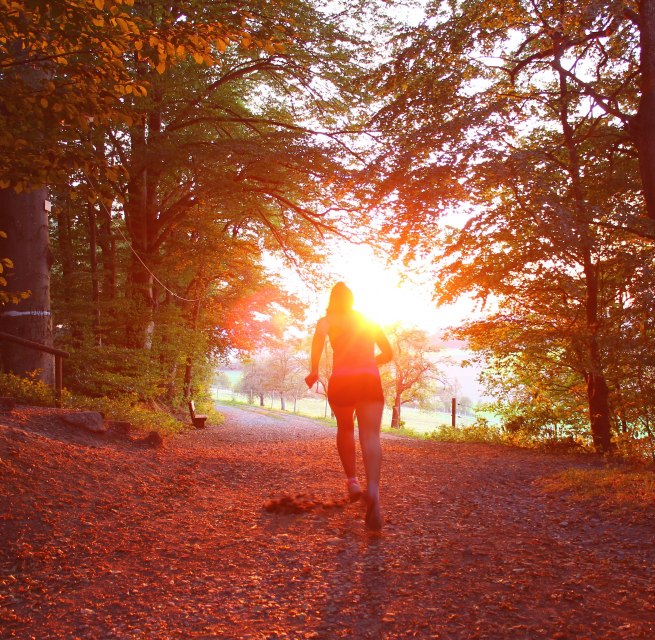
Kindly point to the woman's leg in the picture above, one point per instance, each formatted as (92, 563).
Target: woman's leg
(346, 438)
(369, 419)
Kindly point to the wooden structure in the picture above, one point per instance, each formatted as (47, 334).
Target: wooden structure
(57, 353)
(198, 420)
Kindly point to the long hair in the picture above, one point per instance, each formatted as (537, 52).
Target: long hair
(341, 300)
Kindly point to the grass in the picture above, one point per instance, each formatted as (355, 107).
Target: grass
(143, 416)
(417, 423)
(616, 487)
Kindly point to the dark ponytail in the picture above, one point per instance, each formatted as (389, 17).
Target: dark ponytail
(341, 300)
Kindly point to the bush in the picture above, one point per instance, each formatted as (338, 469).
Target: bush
(114, 371)
(27, 390)
(481, 431)
(128, 408)
(635, 447)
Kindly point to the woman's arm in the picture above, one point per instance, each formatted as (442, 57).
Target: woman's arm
(318, 342)
(386, 352)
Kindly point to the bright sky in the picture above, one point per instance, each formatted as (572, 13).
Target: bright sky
(381, 292)
(383, 295)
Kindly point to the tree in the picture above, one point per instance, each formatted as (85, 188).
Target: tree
(504, 120)
(413, 369)
(26, 306)
(47, 53)
(205, 135)
(275, 372)
(252, 382)
(203, 141)
(285, 371)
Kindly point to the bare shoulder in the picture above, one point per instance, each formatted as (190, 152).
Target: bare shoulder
(375, 328)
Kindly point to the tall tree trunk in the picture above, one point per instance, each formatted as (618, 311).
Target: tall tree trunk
(188, 374)
(395, 412)
(597, 389)
(65, 248)
(644, 125)
(23, 217)
(188, 377)
(107, 244)
(95, 283)
(171, 389)
(141, 282)
(141, 210)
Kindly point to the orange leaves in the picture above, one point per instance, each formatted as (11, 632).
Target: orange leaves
(134, 89)
(90, 58)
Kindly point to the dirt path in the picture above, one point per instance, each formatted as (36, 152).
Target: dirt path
(106, 539)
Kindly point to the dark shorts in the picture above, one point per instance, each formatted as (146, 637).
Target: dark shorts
(351, 389)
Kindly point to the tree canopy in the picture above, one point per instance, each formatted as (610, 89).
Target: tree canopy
(508, 146)
(522, 127)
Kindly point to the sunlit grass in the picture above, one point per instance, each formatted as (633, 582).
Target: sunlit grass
(416, 422)
(615, 487)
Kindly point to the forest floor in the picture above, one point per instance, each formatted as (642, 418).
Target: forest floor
(103, 538)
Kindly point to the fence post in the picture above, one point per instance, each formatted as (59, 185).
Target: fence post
(453, 411)
(57, 353)
(59, 385)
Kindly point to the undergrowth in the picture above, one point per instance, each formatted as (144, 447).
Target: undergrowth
(616, 487)
(27, 390)
(143, 416)
(127, 408)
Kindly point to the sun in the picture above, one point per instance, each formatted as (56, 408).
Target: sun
(381, 292)
(386, 294)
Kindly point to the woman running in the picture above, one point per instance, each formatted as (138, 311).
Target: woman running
(354, 389)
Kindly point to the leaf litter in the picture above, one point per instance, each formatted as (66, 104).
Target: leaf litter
(244, 531)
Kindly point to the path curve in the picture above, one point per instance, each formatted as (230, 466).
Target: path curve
(107, 539)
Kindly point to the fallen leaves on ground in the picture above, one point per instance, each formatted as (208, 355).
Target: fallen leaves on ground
(244, 531)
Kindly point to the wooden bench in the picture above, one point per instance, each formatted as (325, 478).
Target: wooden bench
(198, 420)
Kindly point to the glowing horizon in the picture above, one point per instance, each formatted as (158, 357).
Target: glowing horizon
(384, 294)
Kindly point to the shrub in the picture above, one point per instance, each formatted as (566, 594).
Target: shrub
(114, 371)
(128, 408)
(635, 447)
(31, 391)
(480, 431)
(27, 390)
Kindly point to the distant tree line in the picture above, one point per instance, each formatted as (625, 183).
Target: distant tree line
(414, 376)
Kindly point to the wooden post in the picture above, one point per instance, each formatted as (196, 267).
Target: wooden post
(59, 370)
(453, 411)
(57, 353)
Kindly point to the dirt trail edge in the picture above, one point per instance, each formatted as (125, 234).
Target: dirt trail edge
(103, 539)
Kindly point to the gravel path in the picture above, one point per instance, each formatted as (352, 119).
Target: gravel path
(106, 539)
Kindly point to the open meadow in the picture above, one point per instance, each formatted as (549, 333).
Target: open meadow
(418, 420)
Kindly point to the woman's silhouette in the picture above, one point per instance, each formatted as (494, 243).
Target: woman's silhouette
(354, 389)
